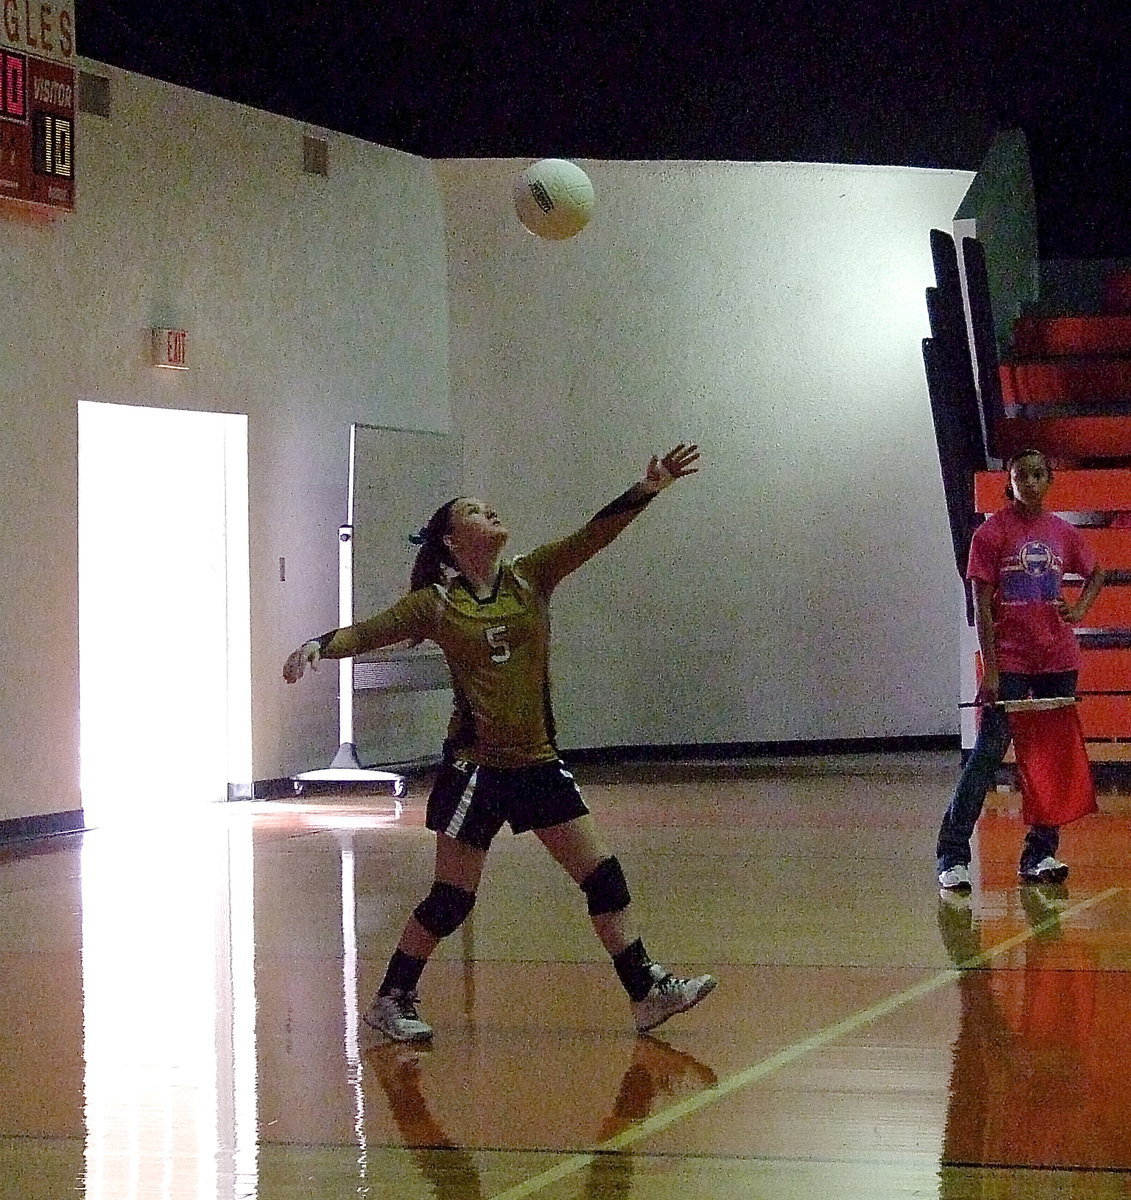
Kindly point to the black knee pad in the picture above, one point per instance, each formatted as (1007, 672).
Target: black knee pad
(606, 888)
(444, 909)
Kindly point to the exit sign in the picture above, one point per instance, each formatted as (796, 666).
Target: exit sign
(170, 349)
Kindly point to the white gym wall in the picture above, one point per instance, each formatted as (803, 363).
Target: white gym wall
(310, 302)
(801, 587)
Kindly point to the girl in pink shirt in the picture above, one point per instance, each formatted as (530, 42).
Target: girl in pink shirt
(1029, 648)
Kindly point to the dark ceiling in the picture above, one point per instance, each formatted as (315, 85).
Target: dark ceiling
(913, 84)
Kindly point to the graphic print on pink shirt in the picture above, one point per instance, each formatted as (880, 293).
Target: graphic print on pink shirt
(1031, 575)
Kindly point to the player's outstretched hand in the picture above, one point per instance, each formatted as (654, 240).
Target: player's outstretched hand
(677, 463)
(309, 654)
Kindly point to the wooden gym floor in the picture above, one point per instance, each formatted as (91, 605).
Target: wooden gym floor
(180, 1006)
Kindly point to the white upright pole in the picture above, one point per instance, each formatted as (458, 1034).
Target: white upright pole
(346, 767)
(345, 617)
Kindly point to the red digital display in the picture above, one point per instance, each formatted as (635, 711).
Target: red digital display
(14, 81)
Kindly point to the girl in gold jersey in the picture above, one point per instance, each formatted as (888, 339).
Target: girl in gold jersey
(490, 617)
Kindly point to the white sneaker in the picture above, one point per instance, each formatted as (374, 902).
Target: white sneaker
(669, 995)
(1048, 870)
(396, 1017)
(955, 879)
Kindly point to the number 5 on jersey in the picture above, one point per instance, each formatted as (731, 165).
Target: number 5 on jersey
(497, 639)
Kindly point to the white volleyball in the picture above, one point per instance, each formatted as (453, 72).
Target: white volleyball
(553, 198)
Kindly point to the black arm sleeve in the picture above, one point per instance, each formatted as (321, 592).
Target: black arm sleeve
(631, 501)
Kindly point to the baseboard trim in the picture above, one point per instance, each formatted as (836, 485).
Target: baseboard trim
(824, 747)
(21, 829)
(284, 788)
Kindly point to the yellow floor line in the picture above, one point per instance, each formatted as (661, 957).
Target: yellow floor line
(783, 1058)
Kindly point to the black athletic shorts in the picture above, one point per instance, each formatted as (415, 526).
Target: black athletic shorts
(471, 803)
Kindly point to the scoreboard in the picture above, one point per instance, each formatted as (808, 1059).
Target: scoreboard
(37, 103)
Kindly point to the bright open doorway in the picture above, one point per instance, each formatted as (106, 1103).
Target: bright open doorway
(164, 611)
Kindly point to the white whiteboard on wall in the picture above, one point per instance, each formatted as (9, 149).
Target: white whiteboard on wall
(398, 478)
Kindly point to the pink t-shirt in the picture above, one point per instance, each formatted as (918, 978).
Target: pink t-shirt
(1024, 559)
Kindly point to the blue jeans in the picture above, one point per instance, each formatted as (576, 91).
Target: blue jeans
(981, 768)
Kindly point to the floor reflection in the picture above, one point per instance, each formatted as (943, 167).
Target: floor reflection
(447, 1168)
(180, 1014)
(657, 1071)
(169, 1030)
(1038, 1076)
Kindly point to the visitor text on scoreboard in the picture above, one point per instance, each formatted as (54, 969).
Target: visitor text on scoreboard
(37, 103)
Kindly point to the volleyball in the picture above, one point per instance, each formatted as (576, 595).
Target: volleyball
(553, 198)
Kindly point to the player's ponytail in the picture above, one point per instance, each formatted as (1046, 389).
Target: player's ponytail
(433, 558)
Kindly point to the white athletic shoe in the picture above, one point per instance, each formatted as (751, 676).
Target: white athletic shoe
(955, 879)
(1048, 870)
(396, 1017)
(669, 995)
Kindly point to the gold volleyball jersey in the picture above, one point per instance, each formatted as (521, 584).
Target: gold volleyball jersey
(497, 649)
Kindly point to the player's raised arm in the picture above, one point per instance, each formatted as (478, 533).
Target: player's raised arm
(677, 463)
(660, 473)
(551, 563)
